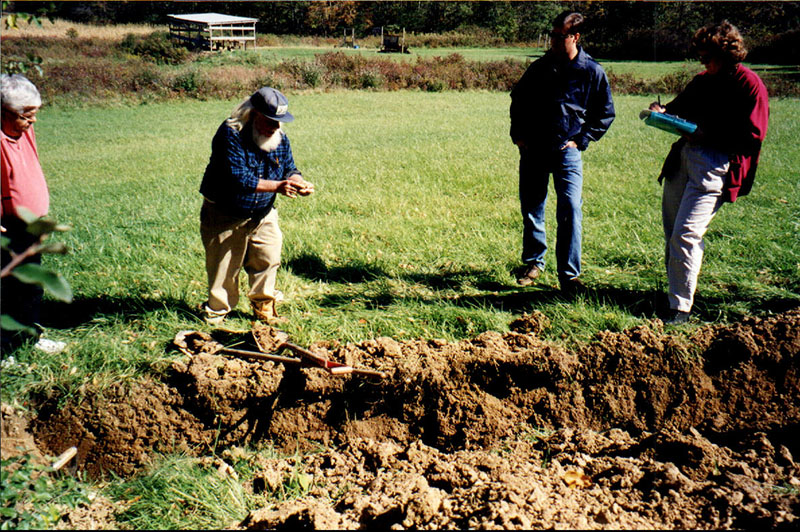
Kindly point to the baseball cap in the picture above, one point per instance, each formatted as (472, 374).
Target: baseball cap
(272, 104)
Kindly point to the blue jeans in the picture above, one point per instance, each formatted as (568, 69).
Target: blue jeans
(535, 168)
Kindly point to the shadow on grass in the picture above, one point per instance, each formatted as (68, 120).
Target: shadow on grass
(59, 315)
(645, 304)
(313, 267)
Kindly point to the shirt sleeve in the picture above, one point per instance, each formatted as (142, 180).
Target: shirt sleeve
(600, 113)
(245, 177)
(521, 101)
(289, 168)
(757, 117)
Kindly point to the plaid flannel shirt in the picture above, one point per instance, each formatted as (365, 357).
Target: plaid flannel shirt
(235, 168)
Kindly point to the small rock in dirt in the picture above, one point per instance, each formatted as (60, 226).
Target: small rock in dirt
(534, 323)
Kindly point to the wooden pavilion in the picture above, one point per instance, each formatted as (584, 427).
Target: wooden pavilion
(213, 31)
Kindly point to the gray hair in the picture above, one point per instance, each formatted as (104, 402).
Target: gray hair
(18, 93)
(240, 115)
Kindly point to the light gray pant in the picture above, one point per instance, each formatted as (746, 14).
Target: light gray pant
(232, 243)
(691, 199)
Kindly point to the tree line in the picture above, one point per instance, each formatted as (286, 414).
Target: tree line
(631, 30)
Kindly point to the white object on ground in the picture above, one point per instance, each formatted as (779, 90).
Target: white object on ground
(51, 347)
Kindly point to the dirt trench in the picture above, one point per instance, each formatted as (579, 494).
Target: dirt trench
(699, 432)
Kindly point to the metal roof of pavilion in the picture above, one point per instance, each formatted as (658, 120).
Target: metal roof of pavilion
(212, 18)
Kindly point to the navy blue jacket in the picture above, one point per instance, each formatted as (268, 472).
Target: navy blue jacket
(556, 101)
(235, 168)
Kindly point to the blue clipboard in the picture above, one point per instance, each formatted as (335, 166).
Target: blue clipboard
(670, 123)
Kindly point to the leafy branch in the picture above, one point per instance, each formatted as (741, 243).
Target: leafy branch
(12, 20)
(52, 282)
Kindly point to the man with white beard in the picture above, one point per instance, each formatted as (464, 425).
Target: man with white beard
(251, 161)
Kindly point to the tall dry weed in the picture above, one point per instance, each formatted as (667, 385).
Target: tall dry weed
(65, 28)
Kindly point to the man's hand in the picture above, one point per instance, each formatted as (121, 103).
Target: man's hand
(304, 188)
(569, 144)
(655, 106)
(287, 188)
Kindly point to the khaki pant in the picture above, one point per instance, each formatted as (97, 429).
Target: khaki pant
(691, 199)
(232, 243)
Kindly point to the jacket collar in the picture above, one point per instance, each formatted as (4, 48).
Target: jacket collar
(579, 61)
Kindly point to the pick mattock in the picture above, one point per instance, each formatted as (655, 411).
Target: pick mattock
(197, 342)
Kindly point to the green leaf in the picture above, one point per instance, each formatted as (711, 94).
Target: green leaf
(54, 247)
(26, 215)
(7, 323)
(42, 226)
(4, 242)
(304, 480)
(53, 282)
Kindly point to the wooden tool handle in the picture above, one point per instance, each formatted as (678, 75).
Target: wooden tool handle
(261, 356)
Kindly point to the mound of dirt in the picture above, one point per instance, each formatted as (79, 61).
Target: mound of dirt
(672, 432)
(527, 485)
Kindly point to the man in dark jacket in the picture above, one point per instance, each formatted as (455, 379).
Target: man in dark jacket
(561, 103)
(251, 162)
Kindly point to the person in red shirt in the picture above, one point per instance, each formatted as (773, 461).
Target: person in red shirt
(23, 186)
(715, 164)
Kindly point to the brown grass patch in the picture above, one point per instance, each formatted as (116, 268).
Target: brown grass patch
(61, 28)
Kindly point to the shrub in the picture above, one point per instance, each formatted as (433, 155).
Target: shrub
(190, 82)
(268, 79)
(626, 83)
(155, 47)
(371, 78)
(434, 85)
(674, 82)
(144, 78)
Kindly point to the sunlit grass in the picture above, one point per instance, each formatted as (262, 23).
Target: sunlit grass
(63, 28)
(413, 231)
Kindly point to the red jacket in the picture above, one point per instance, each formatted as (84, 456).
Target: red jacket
(732, 108)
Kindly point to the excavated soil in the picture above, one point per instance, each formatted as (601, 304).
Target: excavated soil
(638, 429)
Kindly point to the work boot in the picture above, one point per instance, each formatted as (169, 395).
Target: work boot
(212, 317)
(677, 317)
(530, 273)
(265, 312)
(572, 287)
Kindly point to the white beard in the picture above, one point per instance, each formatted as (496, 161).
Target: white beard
(267, 143)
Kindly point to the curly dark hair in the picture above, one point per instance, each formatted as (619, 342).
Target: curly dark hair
(722, 40)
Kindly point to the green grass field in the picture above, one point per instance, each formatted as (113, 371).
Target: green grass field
(268, 55)
(412, 232)
(276, 54)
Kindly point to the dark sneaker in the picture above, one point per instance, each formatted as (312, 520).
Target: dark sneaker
(572, 287)
(529, 275)
(677, 317)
